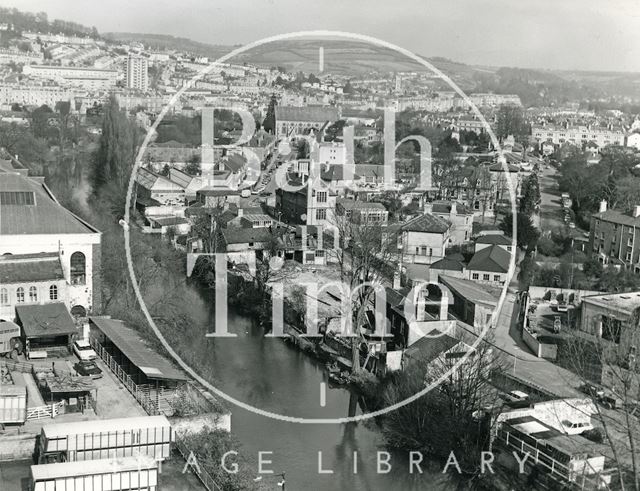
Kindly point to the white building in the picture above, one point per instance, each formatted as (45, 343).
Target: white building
(32, 222)
(36, 95)
(137, 73)
(86, 77)
(579, 135)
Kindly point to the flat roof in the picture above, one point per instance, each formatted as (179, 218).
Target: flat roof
(58, 430)
(129, 342)
(45, 472)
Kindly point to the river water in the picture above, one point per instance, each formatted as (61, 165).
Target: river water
(273, 375)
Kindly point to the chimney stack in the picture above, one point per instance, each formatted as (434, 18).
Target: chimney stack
(603, 206)
(636, 211)
(428, 207)
(396, 281)
(454, 209)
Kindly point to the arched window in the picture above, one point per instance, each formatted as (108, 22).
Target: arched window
(78, 268)
(33, 294)
(20, 295)
(53, 292)
(4, 296)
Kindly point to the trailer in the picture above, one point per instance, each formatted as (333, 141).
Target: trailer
(106, 439)
(129, 473)
(10, 342)
(13, 404)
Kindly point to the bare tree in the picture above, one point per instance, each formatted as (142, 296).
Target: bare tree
(365, 258)
(606, 361)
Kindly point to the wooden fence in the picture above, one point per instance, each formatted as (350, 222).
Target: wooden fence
(46, 411)
(140, 392)
(142, 395)
(17, 366)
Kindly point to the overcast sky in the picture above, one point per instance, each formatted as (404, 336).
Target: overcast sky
(566, 34)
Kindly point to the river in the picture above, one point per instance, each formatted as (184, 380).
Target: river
(275, 376)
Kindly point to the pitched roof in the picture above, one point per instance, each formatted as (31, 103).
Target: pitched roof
(448, 263)
(350, 204)
(308, 113)
(445, 207)
(30, 267)
(619, 217)
(180, 177)
(336, 173)
(493, 258)
(44, 216)
(494, 239)
(235, 162)
(246, 235)
(472, 291)
(51, 319)
(427, 223)
(149, 180)
(431, 346)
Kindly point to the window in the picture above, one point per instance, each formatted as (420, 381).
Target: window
(485, 277)
(475, 276)
(319, 253)
(423, 250)
(322, 196)
(33, 294)
(509, 248)
(611, 329)
(496, 277)
(53, 292)
(4, 297)
(78, 268)
(20, 295)
(321, 214)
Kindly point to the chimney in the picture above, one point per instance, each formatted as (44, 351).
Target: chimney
(240, 212)
(428, 207)
(397, 281)
(636, 211)
(454, 209)
(603, 206)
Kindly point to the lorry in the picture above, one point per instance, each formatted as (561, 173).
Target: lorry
(10, 341)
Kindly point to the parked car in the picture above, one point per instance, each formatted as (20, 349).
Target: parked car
(611, 401)
(592, 390)
(88, 369)
(83, 350)
(576, 427)
(563, 307)
(517, 395)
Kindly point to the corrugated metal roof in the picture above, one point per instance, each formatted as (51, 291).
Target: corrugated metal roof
(56, 430)
(129, 342)
(64, 470)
